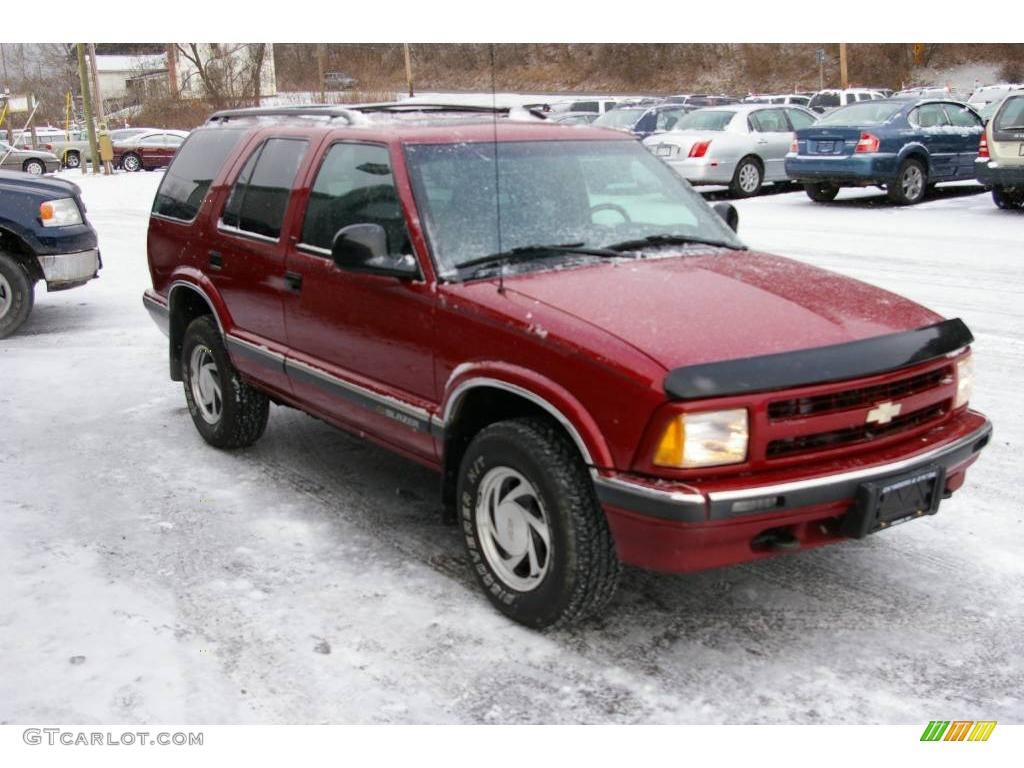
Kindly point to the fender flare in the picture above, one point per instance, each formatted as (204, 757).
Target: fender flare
(561, 404)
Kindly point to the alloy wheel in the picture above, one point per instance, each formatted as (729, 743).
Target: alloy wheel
(749, 178)
(514, 531)
(6, 299)
(912, 182)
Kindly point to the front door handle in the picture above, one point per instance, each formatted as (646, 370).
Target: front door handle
(216, 260)
(293, 281)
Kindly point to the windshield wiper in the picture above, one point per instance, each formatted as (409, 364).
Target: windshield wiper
(530, 252)
(644, 242)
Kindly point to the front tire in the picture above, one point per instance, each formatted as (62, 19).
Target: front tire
(747, 179)
(34, 167)
(911, 183)
(536, 535)
(16, 296)
(1008, 198)
(131, 162)
(821, 192)
(227, 411)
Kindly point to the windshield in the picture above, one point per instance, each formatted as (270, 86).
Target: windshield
(824, 99)
(706, 120)
(619, 118)
(865, 113)
(590, 194)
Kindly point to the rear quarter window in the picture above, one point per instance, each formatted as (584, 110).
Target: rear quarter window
(187, 180)
(1011, 116)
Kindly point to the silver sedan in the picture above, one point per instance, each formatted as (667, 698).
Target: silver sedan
(27, 160)
(739, 145)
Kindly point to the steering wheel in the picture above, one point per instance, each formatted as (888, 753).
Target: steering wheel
(611, 207)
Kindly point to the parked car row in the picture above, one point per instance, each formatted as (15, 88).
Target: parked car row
(134, 149)
(904, 144)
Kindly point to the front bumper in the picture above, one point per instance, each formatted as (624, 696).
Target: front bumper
(993, 174)
(52, 166)
(69, 270)
(687, 528)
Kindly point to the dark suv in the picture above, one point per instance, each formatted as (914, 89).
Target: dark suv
(600, 371)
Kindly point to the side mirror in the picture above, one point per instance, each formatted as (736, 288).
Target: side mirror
(729, 214)
(364, 248)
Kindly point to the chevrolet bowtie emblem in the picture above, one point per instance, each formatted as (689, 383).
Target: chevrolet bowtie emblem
(883, 413)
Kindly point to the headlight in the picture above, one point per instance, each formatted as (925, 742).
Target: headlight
(964, 381)
(60, 213)
(707, 439)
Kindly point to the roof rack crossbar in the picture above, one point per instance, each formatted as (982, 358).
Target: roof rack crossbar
(309, 110)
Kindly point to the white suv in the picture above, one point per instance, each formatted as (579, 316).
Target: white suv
(832, 98)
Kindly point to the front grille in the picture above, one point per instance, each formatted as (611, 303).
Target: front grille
(817, 405)
(851, 435)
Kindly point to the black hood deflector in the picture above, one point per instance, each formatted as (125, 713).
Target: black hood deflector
(818, 365)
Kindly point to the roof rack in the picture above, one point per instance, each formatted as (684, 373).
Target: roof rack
(308, 110)
(355, 114)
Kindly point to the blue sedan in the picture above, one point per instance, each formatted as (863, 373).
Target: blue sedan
(905, 145)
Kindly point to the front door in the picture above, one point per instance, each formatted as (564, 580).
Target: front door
(361, 344)
(933, 129)
(967, 127)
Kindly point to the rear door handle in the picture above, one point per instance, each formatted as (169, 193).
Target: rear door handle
(216, 260)
(293, 281)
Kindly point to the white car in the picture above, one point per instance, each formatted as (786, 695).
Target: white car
(833, 98)
(801, 100)
(741, 145)
(989, 93)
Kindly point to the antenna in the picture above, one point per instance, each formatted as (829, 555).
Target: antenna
(497, 188)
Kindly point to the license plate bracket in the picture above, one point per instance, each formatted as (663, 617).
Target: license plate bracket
(826, 146)
(881, 504)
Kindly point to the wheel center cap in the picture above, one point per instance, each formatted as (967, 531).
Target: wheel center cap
(511, 529)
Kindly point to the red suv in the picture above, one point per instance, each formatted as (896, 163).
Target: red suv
(600, 371)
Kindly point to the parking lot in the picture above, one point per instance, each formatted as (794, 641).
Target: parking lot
(151, 578)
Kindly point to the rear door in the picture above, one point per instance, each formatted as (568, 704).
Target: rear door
(932, 128)
(245, 257)
(772, 136)
(1007, 132)
(361, 344)
(967, 128)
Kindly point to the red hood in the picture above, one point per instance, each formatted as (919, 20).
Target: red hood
(720, 305)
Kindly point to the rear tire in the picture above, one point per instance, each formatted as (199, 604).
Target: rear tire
(227, 411)
(536, 535)
(747, 179)
(911, 183)
(1008, 198)
(821, 192)
(131, 162)
(17, 295)
(72, 160)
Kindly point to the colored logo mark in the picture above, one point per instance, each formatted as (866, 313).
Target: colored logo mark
(958, 730)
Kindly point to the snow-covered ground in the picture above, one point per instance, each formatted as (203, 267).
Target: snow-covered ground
(150, 578)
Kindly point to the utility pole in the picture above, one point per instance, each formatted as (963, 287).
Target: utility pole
(844, 78)
(87, 109)
(172, 70)
(321, 74)
(101, 119)
(408, 67)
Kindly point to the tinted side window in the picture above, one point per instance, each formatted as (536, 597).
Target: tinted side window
(962, 117)
(187, 181)
(354, 186)
(259, 198)
(584, 106)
